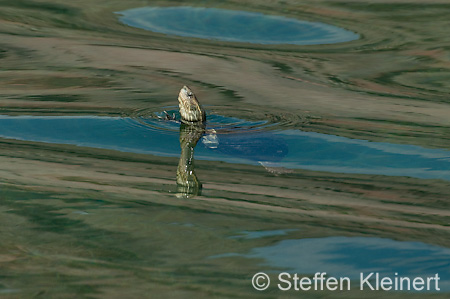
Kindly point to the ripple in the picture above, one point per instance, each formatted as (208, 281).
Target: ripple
(234, 26)
(154, 119)
(218, 119)
(435, 80)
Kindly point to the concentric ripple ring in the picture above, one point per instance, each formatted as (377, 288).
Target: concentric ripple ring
(218, 119)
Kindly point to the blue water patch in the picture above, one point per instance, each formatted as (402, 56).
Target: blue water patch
(293, 149)
(233, 26)
(322, 152)
(351, 256)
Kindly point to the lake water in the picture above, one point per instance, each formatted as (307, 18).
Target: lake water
(233, 26)
(326, 147)
(242, 141)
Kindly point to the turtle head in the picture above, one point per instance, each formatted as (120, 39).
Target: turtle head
(190, 108)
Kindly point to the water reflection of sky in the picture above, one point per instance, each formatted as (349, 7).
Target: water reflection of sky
(287, 148)
(349, 256)
(261, 234)
(233, 25)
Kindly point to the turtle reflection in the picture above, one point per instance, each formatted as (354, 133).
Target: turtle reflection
(187, 181)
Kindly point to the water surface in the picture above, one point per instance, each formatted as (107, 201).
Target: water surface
(235, 141)
(90, 207)
(348, 257)
(234, 26)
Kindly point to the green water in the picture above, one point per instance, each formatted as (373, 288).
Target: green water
(325, 158)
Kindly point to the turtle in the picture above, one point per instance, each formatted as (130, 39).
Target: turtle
(190, 109)
(262, 147)
(192, 128)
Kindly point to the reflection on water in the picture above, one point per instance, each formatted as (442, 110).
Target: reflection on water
(233, 26)
(187, 181)
(98, 242)
(80, 221)
(262, 234)
(350, 256)
(287, 148)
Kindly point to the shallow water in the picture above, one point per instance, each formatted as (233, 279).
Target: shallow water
(321, 158)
